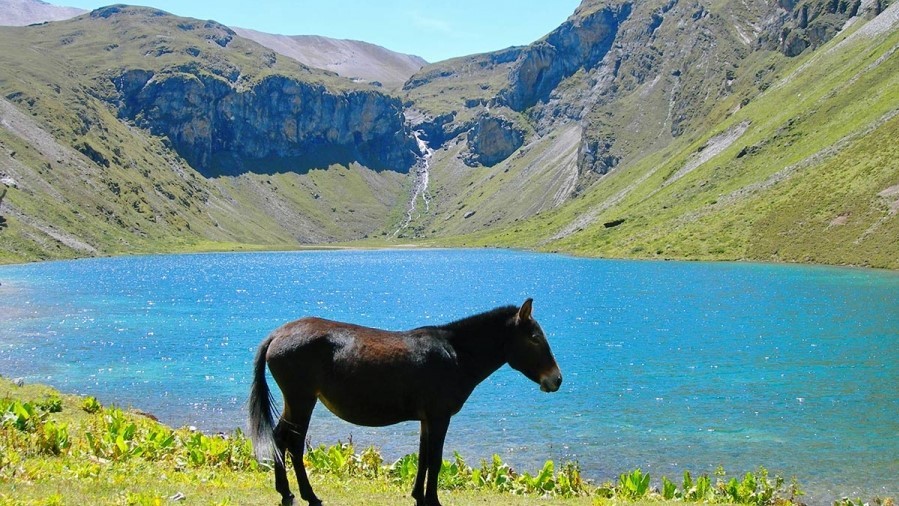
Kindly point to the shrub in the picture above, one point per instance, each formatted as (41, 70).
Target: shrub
(91, 405)
(633, 485)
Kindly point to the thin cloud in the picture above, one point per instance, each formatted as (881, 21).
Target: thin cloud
(431, 24)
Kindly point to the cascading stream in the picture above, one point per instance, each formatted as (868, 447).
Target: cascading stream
(420, 173)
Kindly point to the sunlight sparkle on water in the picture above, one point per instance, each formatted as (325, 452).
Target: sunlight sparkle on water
(668, 366)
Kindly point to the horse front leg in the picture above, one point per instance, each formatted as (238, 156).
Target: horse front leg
(436, 437)
(418, 491)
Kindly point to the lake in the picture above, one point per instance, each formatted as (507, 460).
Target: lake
(668, 366)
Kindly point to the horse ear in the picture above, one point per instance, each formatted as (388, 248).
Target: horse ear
(524, 313)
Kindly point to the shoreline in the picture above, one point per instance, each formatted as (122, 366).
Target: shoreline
(11, 389)
(251, 248)
(488, 254)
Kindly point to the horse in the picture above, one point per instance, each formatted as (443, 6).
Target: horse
(375, 378)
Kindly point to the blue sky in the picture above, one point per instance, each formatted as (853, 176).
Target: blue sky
(434, 30)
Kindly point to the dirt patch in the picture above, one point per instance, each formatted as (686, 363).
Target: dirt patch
(709, 150)
(840, 220)
(65, 238)
(891, 194)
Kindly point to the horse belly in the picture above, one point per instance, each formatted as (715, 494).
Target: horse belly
(369, 408)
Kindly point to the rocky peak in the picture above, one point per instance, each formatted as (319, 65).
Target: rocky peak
(792, 26)
(26, 12)
(579, 43)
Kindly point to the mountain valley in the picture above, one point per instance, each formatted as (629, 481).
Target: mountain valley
(714, 130)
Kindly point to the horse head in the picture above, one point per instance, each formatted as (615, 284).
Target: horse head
(527, 350)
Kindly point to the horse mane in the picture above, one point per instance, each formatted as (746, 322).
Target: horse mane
(478, 324)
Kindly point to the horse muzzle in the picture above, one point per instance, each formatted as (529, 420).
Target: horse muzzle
(551, 382)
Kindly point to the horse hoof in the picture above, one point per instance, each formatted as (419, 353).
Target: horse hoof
(287, 500)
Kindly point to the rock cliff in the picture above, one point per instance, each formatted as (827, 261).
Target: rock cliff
(793, 26)
(661, 128)
(278, 124)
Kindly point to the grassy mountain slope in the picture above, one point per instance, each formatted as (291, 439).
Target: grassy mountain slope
(809, 173)
(352, 59)
(83, 181)
(723, 129)
(719, 149)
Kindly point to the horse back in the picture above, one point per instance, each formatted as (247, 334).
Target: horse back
(314, 340)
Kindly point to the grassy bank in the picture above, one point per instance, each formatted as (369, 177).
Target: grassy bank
(62, 449)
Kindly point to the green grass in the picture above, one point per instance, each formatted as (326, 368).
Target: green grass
(85, 177)
(64, 449)
(821, 150)
(816, 158)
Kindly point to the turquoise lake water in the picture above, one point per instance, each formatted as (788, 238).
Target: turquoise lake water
(668, 366)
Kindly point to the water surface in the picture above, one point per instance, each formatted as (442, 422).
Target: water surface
(668, 366)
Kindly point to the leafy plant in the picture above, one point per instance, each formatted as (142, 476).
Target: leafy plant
(697, 491)
(633, 485)
(403, 470)
(23, 416)
(544, 481)
(371, 462)
(846, 501)
(569, 482)
(337, 459)
(51, 404)
(112, 436)
(497, 475)
(218, 451)
(754, 488)
(158, 442)
(91, 405)
(669, 489)
(53, 438)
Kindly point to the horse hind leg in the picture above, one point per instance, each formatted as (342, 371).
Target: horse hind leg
(281, 483)
(298, 425)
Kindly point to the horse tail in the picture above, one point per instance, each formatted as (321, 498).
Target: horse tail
(262, 418)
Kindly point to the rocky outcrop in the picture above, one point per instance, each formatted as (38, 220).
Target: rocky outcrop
(595, 155)
(580, 42)
(492, 140)
(278, 124)
(795, 26)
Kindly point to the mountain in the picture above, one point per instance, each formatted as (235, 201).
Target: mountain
(353, 59)
(666, 129)
(26, 12)
(710, 129)
(129, 129)
(348, 58)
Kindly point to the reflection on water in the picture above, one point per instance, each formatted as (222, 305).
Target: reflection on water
(668, 366)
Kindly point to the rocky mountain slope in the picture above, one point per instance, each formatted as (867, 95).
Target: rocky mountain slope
(26, 12)
(353, 59)
(646, 126)
(129, 129)
(712, 129)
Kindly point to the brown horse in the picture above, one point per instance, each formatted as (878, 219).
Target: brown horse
(375, 377)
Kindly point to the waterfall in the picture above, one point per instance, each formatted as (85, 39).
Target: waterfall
(419, 182)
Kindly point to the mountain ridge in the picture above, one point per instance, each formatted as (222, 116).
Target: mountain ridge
(26, 12)
(349, 58)
(659, 129)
